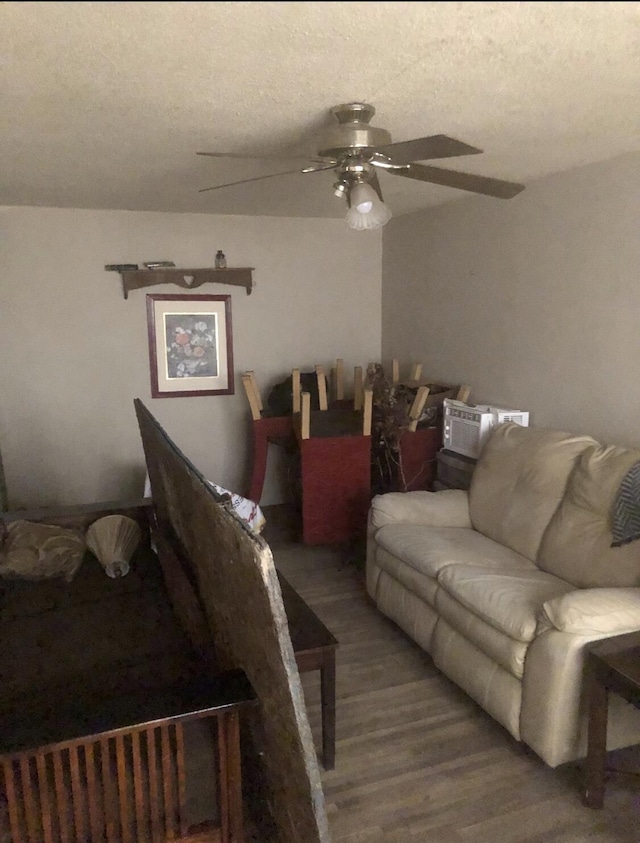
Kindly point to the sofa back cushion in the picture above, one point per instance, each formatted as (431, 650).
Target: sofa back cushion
(519, 481)
(577, 544)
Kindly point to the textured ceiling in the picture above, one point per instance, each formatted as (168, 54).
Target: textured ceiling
(106, 104)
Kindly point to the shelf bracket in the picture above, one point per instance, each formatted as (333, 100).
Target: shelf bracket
(189, 279)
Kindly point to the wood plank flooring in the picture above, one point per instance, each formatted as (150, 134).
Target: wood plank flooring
(416, 759)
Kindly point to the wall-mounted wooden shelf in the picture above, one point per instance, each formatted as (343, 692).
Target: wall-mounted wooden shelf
(135, 279)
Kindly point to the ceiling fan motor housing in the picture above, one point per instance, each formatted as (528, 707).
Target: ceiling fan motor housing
(353, 132)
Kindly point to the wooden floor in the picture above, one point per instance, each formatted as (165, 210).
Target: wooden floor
(416, 759)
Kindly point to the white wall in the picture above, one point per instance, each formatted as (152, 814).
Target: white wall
(74, 353)
(534, 301)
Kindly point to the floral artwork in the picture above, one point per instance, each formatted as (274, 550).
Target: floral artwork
(190, 345)
(191, 342)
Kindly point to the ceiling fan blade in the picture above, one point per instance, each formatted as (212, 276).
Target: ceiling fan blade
(316, 168)
(422, 149)
(463, 181)
(245, 181)
(282, 157)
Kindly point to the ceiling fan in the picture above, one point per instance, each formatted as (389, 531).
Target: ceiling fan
(356, 151)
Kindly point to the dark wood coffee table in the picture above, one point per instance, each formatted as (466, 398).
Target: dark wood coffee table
(613, 664)
(315, 649)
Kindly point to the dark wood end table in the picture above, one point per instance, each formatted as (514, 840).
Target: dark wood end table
(613, 664)
(315, 649)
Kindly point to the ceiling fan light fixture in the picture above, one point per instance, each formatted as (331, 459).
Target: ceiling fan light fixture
(366, 209)
(378, 216)
(363, 197)
(340, 189)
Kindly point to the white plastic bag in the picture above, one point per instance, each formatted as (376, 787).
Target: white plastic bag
(244, 508)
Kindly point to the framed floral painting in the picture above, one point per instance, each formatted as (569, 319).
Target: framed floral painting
(190, 345)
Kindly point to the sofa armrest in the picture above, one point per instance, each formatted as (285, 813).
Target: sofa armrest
(597, 611)
(448, 508)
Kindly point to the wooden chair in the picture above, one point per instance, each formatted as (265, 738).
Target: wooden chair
(335, 466)
(266, 429)
(279, 430)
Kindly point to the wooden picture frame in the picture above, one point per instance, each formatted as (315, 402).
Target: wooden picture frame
(190, 345)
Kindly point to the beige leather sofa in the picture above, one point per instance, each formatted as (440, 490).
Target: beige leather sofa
(506, 584)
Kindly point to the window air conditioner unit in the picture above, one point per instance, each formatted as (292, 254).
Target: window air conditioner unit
(467, 427)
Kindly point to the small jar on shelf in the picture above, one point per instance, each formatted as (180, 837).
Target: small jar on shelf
(221, 261)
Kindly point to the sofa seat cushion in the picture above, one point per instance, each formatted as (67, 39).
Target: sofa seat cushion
(429, 549)
(509, 601)
(422, 585)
